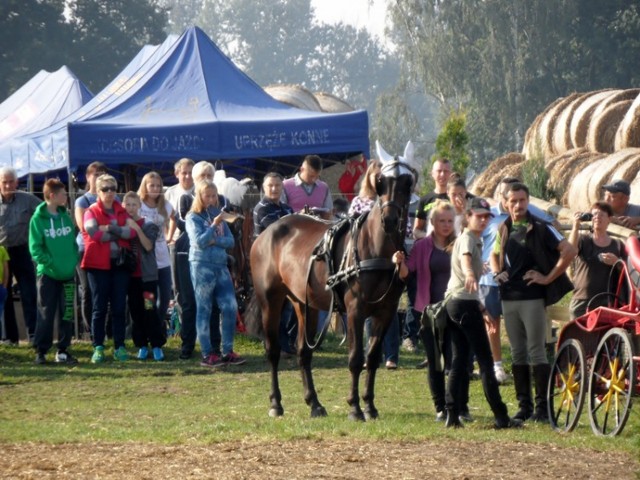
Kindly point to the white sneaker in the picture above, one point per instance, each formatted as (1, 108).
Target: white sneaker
(501, 375)
(409, 345)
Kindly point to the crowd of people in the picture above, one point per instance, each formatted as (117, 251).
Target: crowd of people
(487, 262)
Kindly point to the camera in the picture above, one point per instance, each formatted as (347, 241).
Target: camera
(586, 217)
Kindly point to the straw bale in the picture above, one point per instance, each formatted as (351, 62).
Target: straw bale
(628, 134)
(556, 165)
(294, 95)
(572, 167)
(603, 126)
(635, 191)
(582, 116)
(629, 168)
(547, 124)
(332, 104)
(578, 195)
(532, 137)
(483, 183)
(607, 166)
(562, 130)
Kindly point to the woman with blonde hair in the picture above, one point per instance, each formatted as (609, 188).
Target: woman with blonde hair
(209, 238)
(155, 209)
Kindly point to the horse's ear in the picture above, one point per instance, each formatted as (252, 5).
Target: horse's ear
(382, 154)
(409, 155)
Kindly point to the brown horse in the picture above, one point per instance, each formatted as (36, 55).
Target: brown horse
(285, 264)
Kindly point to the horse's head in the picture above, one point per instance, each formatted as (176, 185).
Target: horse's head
(394, 187)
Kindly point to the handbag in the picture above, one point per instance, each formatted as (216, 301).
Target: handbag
(126, 260)
(435, 317)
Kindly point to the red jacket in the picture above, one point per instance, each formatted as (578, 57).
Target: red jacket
(97, 254)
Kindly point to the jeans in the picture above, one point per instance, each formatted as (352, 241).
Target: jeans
(21, 267)
(108, 288)
(412, 318)
(212, 283)
(84, 290)
(468, 332)
(164, 295)
(55, 302)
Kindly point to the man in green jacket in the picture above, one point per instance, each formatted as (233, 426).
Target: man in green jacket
(54, 250)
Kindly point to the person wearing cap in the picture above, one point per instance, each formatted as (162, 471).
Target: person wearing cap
(617, 195)
(467, 317)
(529, 261)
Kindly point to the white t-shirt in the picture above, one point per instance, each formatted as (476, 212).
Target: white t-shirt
(152, 215)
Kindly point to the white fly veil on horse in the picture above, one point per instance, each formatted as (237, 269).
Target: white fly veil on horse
(395, 166)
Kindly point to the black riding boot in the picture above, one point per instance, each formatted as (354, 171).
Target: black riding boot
(522, 382)
(541, 378)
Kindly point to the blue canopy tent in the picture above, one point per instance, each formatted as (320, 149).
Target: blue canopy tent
(45, 99)
(194, 102)
(46, 149)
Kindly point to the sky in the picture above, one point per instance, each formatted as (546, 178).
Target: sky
(354, 12)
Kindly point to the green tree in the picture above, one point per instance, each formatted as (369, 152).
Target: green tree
(452, 142)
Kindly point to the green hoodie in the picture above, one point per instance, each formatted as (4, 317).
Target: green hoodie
(52, 243)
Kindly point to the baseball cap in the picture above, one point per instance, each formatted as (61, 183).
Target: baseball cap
(479, 206)
(618, 186)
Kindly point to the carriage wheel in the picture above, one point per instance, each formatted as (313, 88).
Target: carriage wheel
(567, 386)
(611, 383)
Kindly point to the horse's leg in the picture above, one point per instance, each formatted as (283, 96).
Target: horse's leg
(271, 324)
(305, 355)
(374, 354)
(356, 363)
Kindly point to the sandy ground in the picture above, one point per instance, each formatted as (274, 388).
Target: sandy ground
(310, 459)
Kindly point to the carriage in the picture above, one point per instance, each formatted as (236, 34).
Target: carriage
(598, 356)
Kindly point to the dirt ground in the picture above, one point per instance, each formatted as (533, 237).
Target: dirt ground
(310, 459)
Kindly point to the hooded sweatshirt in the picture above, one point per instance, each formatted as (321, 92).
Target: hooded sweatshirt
(52, 243)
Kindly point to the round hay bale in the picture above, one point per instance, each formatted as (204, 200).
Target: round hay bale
(629, 168)
(294, 95)
(556, 165)
(578, 193)
(628, 134)
(603, 174)
(635, 191)
(582, 117)
(572, 167)
(547, 124)
(532, 141)
(562, 130)
(332, 104)
(603, 127)
(482, 183)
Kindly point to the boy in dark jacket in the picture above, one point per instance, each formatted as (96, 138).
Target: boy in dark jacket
(55, 252)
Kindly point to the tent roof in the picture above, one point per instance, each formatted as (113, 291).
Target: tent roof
(44, 100)
(195, 102)
(47, 148)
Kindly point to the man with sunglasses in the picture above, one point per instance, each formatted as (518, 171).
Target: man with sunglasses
(16, 209)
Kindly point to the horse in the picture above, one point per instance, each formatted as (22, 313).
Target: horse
(295, 258)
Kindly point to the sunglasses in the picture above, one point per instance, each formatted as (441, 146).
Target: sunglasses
(108, 189)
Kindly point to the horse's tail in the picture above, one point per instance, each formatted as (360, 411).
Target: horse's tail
(253, 318)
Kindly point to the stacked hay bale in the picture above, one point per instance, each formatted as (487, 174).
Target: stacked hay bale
(332, 104)
(485, 184)
(294, 95)
(628, 135)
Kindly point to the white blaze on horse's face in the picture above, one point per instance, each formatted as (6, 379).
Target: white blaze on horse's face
(396, 166)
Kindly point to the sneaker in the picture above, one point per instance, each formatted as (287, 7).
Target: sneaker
(66, 357)
(409, 345)
(121, 354)
(441, 416)
(466, 417)
(98, 354)
(40, 359)
(143, 353)
(211, 360)
(158, 354)
(501, 375)
(391, 365)
(232, 358)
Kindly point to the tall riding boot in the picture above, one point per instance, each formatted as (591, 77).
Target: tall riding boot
(541, 378)
(522, 382)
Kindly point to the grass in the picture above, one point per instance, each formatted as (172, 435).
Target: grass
(179, 402)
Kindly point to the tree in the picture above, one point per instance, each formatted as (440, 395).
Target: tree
(452, 142)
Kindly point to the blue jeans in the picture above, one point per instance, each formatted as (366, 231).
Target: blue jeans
(412, 318)
(21, 267)
(211, 284)
(108, 287)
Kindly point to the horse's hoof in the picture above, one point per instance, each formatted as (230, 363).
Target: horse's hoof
(356, 416)
(371, 414)
(275, 412)
(319, 411)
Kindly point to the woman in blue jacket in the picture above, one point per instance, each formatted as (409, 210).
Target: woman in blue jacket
(209, 238)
